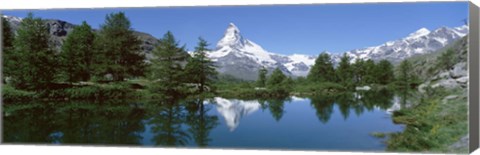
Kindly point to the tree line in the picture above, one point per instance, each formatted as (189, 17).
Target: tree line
(112, 54)
(347, 74)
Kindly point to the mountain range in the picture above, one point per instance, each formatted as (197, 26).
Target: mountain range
(241, 58)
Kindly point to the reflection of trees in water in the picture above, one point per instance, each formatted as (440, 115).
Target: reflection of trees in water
(345, 101)
(381, 99)
(28, 125)
(324, 107)
(200, 122)
(276, 107)
(166, 121)
(359, 102)
(113, 122)
(75, 123)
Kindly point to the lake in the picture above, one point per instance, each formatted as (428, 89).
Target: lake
(343, 123)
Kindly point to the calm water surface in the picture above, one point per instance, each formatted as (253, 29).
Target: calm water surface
(311, 123)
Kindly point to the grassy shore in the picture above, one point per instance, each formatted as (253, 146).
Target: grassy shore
(433, 124)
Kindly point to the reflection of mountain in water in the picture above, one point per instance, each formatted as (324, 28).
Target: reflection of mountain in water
(232, 110)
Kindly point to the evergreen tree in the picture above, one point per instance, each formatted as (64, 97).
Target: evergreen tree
(276, 78)
(344, 71)
(119, 53)
(34, 60)
(405, 74)
(370, 72)
(200, 69)
(278, 83)
(77, 53)
(322, 70)
(384, 72)
(262, 77)
(359, 71)
(166, 69)
(447, 59)
(7, 48)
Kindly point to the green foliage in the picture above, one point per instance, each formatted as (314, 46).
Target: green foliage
(447, 59)
(344, 71)
(359, 72)
(319, 88)
(77, 54)
(279, 83)
(431, 125)
(200, 69)
(95, 92)
(166, 69)
(35, 62)
(276, 78)
(370, 69)
(7, 48)
(118, 49)
(378, 134)
(406, 76)
(384, 72)
(11, 94)
(322, 70)
(262, 77)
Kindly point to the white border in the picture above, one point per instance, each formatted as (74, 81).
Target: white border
(83, 150)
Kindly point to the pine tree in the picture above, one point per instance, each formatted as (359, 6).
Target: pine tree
(344, 71)
(166, 69)
(384, 72)
(405, 74)
(359, 71)
(7, 48)
(276, 78)
(119, 53)
(447, 59)
(34, 59)
(200, 69)
(323, 70)
(262, 77)
(77, 53)
(370, 72)
(278, 83)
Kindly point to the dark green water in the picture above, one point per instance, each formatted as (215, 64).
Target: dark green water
(316, 123)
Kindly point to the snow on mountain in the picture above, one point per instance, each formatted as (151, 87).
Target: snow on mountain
(234, 42)
(422, 41)
(242, 58)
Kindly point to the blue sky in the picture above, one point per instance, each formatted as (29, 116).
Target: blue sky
(285, 29)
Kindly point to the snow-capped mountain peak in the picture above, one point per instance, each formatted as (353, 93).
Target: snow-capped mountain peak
(234, 53)
(422, 41)
(232, 37)
(419, 33)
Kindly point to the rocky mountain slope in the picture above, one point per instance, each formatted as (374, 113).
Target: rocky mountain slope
(426, 66)
(422, 41)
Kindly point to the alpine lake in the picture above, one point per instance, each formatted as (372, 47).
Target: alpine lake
(344, 122)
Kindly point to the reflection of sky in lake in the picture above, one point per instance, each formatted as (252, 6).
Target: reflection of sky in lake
(317, 123)
(299, 127)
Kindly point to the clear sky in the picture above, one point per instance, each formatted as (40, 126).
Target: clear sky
(285, 29)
